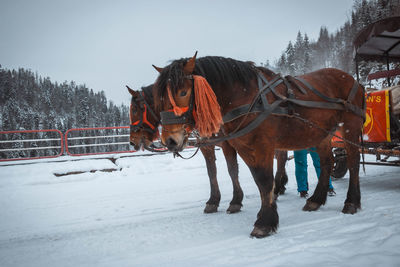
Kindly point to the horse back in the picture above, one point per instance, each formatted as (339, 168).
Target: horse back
(331, 82)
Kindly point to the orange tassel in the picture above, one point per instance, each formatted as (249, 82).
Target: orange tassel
(208, 116)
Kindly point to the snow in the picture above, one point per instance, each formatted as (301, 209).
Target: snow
(150, 213)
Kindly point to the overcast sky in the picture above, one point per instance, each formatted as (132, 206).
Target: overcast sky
(107, 44)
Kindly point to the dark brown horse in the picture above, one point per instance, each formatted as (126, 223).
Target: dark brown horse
(262, 112)
(144, 130)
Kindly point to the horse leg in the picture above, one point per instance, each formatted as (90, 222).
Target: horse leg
(281, 177)
(325, 154)
(353, 200)
(215, 195)
(261, 167)
(233, 169)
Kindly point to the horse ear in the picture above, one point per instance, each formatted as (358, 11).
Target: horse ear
(130, 90)
(158, 69)
(189, 67)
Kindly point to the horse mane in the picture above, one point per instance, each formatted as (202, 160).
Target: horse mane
(266, 71)
(148, 91)
(216, 70)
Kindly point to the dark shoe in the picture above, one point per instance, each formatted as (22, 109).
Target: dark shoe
(303, 194)
(331, 192)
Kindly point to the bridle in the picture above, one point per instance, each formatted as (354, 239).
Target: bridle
(143, 124)
(186, 118)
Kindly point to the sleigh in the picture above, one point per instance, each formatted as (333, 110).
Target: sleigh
(378, 43)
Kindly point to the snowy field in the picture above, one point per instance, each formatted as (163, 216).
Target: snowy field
(150, 213)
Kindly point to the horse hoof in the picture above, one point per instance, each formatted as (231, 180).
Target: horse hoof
(311, 206)
(234, 208)
(260, 232)
(211, 208)
(350, 208)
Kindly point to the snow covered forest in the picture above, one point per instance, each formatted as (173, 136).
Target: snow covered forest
(335, 49)
(29, 101)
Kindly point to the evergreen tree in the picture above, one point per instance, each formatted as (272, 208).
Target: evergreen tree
(336, 50)
(28, 101)
(290, 59)
(306, 67)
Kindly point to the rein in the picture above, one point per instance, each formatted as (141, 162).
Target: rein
(152, 149)
(176, 154)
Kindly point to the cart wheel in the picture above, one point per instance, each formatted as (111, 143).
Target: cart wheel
(340, 164)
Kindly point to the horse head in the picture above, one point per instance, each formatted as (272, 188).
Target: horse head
(143, 120)
(185, 101)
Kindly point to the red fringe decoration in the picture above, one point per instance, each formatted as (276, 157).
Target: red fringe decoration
(208, 116)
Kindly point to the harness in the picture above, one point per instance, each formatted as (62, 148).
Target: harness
(140, 124)
(263, 108)
(168, 117)
(266, 87)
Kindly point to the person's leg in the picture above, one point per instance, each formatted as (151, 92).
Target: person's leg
(300, 160)
(316, 162)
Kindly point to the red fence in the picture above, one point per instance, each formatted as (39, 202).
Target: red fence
(95, 134)
(11, 142)
(14, 145)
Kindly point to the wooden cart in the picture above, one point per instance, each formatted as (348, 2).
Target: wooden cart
(378, 43)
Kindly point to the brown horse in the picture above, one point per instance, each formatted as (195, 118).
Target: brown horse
(144, 130)
(262, 112)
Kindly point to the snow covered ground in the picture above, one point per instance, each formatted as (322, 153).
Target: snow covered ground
(150, 213)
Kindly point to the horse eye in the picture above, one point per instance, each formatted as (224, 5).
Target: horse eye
(183, 93)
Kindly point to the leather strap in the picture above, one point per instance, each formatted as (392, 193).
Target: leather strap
(148, 106)
(169, 117)
(244, 109)
(353, 92)
(318, 93)
(342, 104)
(247, 129)
(260, 105)
(257, 105)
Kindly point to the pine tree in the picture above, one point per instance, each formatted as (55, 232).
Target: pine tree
(307, 65)
(290, 59)
(336, 50)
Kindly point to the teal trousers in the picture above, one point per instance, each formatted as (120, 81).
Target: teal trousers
(300, 160)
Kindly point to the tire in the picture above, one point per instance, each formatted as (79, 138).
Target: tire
(340, 164)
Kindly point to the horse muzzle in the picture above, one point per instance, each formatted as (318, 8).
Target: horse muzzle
(175, 129)
(175, 143)
(138, 145)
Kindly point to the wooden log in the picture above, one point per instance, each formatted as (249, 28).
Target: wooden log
(383, 74)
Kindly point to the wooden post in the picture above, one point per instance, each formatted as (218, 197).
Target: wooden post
(358, 76)
(387, 66)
